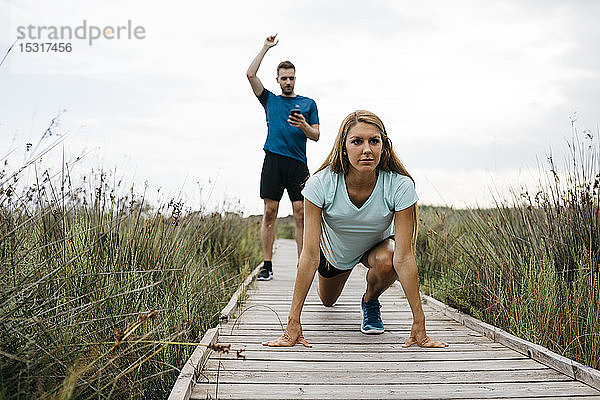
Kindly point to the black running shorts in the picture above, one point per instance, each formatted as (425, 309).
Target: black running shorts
(279, 173)
(326, 270)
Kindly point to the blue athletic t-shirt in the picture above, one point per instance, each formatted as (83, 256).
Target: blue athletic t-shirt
(349, 231)
(283, 138)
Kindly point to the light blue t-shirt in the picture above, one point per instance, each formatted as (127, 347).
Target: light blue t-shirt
(348, 231)
(283, 138)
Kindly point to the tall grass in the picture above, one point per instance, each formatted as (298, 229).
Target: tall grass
(529, 265)
(103, 296)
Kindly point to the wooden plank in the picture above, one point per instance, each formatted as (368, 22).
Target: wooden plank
(308, 303)
(333, 318)
(356, 333)
(398, 356)
(381, 340)
(353, 308)
(348, 324)
(276, 288)
(313, 298)
(369, 347)
(335, 321)
(335, 313)
(584, 397)
(252, 323)
(393, 391)
(382, 366)
(283, 305)
(374, 377)
(317, 341)
(329, 312)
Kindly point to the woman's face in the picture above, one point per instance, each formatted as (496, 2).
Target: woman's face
(363, 147)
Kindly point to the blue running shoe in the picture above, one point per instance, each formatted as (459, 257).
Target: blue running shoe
(371, 317)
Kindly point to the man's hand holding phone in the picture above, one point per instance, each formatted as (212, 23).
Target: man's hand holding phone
(297, 119)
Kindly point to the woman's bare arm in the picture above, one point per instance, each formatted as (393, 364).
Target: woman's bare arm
(406, 268)
(307, 267)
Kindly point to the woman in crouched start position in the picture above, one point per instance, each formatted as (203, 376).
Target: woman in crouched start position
(360, 206)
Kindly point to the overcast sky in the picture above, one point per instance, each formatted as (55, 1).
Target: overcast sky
(472, 92)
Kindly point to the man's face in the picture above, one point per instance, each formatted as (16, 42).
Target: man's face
(286, 79)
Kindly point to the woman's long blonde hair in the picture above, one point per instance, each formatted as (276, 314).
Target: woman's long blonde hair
(337, 160)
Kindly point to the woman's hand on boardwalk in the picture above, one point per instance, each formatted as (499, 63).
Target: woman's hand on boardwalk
(425, 341)
(291, 336)
(419, 337)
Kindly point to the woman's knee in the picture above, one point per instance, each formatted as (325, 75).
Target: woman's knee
(384, 261)
(382, 267)
(330, 289)
(327, 300)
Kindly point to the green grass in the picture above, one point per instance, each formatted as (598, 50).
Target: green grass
(103, 296)
(285, 228)
(530, 264)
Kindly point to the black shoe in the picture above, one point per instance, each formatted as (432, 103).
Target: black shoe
(264, 275)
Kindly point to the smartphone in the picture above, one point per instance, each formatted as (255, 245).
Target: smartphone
(295, 111)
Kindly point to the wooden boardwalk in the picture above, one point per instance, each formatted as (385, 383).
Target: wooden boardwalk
(346, 364)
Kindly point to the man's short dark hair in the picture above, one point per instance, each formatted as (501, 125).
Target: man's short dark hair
(285, 65)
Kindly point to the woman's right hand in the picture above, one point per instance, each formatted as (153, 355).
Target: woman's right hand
(291, 336)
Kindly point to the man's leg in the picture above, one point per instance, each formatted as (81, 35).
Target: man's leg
(271, 190)
(297, 174)
(298, 209)
(267, 230)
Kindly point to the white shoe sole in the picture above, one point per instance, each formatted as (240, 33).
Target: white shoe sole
(370, 331)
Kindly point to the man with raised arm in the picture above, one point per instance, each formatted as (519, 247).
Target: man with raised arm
(290, 120)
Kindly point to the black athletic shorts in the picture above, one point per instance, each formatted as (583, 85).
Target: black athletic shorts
(280, 172)
(326, 270)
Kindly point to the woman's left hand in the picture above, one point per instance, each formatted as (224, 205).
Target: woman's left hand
(291, 336)
(419, 337)
(424, 341)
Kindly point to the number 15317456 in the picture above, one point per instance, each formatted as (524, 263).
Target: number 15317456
(45, 47)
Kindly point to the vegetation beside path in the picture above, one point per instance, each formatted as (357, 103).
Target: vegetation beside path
(530, 264)
(102, 296)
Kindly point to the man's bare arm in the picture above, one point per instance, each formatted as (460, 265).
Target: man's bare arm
(256, 84)
(311, 131)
